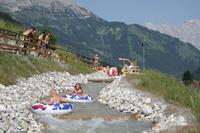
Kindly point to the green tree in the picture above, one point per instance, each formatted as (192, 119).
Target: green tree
(187, 78)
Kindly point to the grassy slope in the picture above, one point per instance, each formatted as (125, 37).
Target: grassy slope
(171, 89)
(75, 65)
(4, 24)
(15, 66)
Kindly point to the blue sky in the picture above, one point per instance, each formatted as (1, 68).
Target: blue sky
(142, 11)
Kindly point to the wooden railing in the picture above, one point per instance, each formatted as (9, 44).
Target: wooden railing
(13, 42)
(85, 59)
(82, 57)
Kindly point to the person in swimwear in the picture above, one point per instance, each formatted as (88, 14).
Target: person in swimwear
(78, 89)
(54, 98)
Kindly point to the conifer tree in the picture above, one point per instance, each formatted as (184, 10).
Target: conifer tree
(187, 78)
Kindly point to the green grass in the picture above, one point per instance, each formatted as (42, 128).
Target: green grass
(75, 65)
(16, 66)
(10, 26)
(171, 89)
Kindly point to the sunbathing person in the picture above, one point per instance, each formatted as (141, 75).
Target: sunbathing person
(54, 98)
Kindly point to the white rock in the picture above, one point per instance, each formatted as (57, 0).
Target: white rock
(147, 100)
(180, 120)
(1, 125)
(2, 108)
(158, 118)
(156, 129)
(156, 107)
(2, 86)
(147, 110)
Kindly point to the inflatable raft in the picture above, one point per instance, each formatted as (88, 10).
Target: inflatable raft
(78, 99)
(54, 109)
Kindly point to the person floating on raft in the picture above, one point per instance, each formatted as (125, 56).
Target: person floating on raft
(77, 95)
(54, 105)
(54, 98)
(78, 90)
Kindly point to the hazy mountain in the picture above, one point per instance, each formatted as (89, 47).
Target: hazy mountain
(82, 31)
(54, 6)
(187, 32)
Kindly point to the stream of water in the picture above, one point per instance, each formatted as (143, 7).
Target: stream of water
(94, 118)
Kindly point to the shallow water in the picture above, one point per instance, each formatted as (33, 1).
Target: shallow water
(94, 118)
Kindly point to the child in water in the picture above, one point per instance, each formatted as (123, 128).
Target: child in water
(78, 90)
(54, 98)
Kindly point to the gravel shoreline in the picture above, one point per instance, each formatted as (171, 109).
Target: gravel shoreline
(123, 97)
(16, 100)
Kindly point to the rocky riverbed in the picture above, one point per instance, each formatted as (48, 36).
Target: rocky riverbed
(122, 97)
(16, 100)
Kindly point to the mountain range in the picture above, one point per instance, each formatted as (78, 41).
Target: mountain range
(81, 31)
(186, 32)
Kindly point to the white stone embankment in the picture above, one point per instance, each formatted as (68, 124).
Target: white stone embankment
(16, 100)
(124, 98)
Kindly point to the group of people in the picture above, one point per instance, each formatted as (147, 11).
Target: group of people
(110, 71)
(54, 98)
(41, 45)
(113, 71)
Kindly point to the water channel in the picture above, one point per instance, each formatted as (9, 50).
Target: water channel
(94, 118)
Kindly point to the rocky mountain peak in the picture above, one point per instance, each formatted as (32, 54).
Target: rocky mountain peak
(56, 5)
